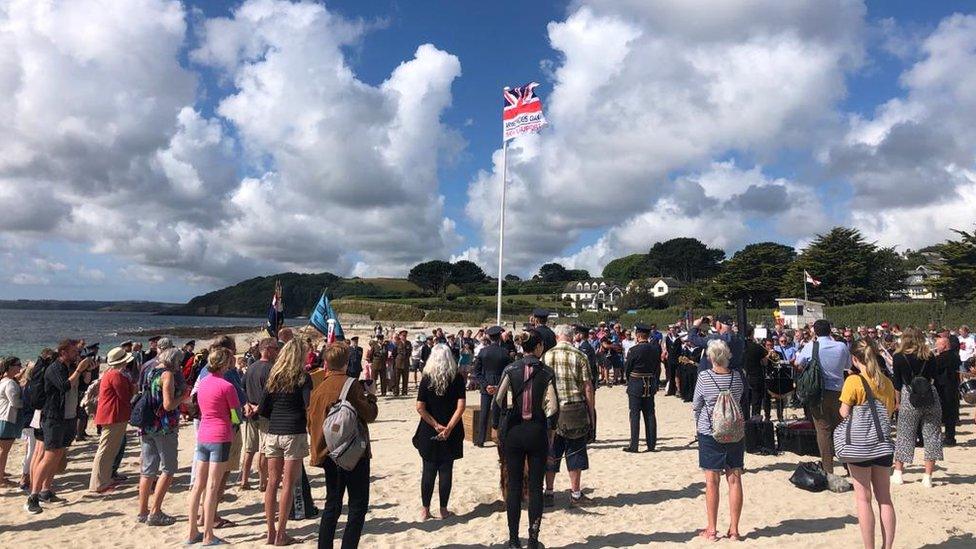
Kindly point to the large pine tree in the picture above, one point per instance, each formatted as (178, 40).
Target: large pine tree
(957, 271)
(754, 273)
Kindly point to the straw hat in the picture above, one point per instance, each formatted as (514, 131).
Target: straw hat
(118, 357)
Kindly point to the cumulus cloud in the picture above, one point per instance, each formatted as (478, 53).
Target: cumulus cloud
(102, 141)
(645, 90)
(910, 165)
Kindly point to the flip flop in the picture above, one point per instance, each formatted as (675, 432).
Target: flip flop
(215, 541)
(708, 535)
(287, 540)
(194, 541)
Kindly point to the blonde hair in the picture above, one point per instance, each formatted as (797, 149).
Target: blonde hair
(218, 358)
(913, 343)
(718, 353)
(440, 368)
(288, 371)
(865, 353)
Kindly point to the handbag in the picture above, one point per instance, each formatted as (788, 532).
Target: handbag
(574, 420)
(865, 433)
(809, 476)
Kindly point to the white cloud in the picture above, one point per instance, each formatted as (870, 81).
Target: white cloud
(28, 279)
(48, 265)
(102, 142)
(647, 89)
(92, 275)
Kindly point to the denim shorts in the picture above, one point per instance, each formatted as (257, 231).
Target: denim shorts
(715, 456)
(575, 451)
(159, 451)
(213, 452)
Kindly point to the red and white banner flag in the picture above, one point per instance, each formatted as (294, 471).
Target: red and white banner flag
(810, 280)
(523, 111)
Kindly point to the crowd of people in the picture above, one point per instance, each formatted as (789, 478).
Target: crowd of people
(537, 393)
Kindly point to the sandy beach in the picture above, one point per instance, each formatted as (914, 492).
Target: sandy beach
(638, 499)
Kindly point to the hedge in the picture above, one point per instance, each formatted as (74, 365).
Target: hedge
(377, 310)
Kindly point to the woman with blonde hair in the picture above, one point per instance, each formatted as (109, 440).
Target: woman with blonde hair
(918, 404)
(871, 475)
(218, 402)
(285, 402)
(440, 435)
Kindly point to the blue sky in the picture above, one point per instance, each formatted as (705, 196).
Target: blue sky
(826, 150)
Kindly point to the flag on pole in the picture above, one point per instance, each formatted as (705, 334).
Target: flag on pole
(276, 312)
(325, 320)
(810, 280)
(523, 111)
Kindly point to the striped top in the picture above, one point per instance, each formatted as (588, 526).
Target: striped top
(706, 392)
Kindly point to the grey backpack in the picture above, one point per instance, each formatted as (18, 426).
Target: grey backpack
(345, 436)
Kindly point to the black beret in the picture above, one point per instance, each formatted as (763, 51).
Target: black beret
(540, 313)
(494, 331)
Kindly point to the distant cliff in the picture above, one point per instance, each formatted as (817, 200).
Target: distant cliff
(116, 306)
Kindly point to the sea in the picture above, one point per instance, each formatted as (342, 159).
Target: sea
(23, 333)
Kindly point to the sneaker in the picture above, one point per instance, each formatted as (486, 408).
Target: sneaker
(896, 477)
(579, 501)
(48, 496)
(927, 481)
(141, 519)
(548, 499)
(161, 519)
(33, 506)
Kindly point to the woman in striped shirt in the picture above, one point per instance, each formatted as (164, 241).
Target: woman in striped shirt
(715, 457)
(870, 475)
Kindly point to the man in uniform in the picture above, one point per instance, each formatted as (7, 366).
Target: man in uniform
(642, 371)
(377, 355)
(672, 346)
(488, 367)
(538, 320)
(355, 367)
(401, 364)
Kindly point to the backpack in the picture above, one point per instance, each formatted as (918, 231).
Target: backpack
(728, 424)
(920, 389)
(344, 434)
(809, 384)
(143, 413)
(90, 400)
(34, 395)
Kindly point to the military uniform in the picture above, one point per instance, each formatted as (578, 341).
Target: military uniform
(401, 366)
(548, 336)
(378, 353)
(488, 368)
(642, 372)
(673, 345)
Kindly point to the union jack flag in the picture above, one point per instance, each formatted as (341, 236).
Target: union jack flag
(522, 112)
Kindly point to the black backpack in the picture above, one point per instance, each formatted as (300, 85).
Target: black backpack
(34, 395)
(920, 389)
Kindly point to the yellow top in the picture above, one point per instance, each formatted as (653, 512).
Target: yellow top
(853, 393)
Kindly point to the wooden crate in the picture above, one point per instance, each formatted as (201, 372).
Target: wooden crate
(470, 420)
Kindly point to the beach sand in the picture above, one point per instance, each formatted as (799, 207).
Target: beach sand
(654, 499)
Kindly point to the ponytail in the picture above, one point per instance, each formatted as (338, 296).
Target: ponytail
(867, 355)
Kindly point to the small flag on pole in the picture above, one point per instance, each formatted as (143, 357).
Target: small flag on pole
(325, 320)
(810, 280)
(523, 111)
(276, 312)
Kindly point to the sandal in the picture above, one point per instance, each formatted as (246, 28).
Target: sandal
(197, 539)
(708, 535)
(215, 541)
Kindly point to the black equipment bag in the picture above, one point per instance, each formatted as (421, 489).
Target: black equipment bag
(809, 476)
(760, 437)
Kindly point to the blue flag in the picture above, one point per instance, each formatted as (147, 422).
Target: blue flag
(320, 320)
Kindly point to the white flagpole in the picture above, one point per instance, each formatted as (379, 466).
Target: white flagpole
(805, 286)
(501, 230)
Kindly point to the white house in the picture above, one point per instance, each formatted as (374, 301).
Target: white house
(916, 283)
(657, 286)
(593, 295)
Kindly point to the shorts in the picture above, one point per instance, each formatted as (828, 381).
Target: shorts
(883, 461)
(715, 456)
(9, 431)
(235, 448)
(254, 431)
(575, 450)
(213, 452)
(159, 451)
(286, 446)
(59, 434)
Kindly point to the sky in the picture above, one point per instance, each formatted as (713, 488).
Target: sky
(161, 149)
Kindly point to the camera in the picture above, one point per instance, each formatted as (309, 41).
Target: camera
(90, 351)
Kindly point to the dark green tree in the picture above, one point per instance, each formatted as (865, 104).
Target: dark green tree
(754, 273)
(957, 270)
(627, 268)
(433, 276)
(687, 259)
(552, 272)
(466, 272)
(577, 274)
(846, 266)
(512, 278)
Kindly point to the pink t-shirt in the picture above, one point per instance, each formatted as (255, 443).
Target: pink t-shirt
(216, 397)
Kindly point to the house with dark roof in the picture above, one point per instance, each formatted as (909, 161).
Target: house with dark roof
(598, 294)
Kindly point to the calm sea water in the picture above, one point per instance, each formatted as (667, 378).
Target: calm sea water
(25, 333)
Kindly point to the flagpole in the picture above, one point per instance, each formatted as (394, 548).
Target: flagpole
(805, 286)
(501, 230)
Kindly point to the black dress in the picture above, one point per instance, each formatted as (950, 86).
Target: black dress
(442, 408)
